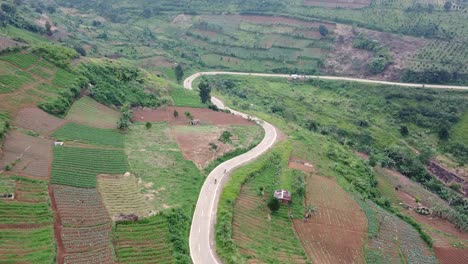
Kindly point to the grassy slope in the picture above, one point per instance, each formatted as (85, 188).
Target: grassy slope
(89, 135)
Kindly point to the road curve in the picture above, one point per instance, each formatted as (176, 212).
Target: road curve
(204, 218)
(189, 80)
(201, 240)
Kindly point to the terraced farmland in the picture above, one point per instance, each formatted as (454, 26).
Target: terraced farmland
(89, 135)
(22, 60)
(30, 206)
(122, 195)
(84, 239)
(79, 206)
(89, 112)
(145, 241)
(79, 166)
(27, 245)
(98, 256)
(63, 78)
(12, 82)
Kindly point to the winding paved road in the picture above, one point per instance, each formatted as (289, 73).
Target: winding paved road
(204, 218)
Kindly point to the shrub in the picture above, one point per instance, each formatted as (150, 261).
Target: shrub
(273, 204)
(148, 125)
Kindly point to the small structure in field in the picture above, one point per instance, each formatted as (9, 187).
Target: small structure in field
(8, 196)
(283, 196)
(58, 144)
(125, 217)
(195, 122)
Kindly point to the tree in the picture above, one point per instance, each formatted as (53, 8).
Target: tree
(48, 28)
(176, 114)
(273, 204)
(225, 137)
(80, 50)
(323, 30)
(126, 115)
(148, 125)
(443, 133)
(448, 6)
(179, 72)
(404, 131)
(205, 91)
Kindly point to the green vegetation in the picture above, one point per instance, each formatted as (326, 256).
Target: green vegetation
(58, 55)
(22, 60)
(154, 156)
(184, 97)
(9, 83)
(89, 135)
(4, 124)
(64, 78)
(35, 245)
(79, 167)
(87, 111)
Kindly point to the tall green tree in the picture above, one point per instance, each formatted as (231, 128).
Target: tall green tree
(179, 72)
(205, 91)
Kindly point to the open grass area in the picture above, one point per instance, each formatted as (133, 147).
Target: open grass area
(460, 130)
(184, 97)
(35, 245)
(154, 156)
(79, 167)
(89, 112)
(89, 135)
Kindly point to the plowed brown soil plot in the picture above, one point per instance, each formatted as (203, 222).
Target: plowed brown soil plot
(194, 143)
(37, 120)
(451, 255)
(206, 116)
(301, 165)
(84, 227)
(27, 155)
(79, 206)
(336, 231)
(338, 3)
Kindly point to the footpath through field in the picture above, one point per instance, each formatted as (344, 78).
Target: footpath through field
(202, 242)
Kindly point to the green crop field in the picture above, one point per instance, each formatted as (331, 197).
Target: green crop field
(89, 112)
(39, 70)
(154, 156)
(9, 83)
(63, 78)
(79, 167)
(22, 60)
(89, 135)
(35, 245)
(31, 204)
(146, 241)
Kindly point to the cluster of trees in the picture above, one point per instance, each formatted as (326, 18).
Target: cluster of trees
(60, 105)
(125, 118)
(116, 84)
(58, 55)
(434, 76)
(9, 16)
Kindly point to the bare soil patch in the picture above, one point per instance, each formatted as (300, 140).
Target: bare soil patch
(37, 120)
(158, 61)
(27, 155)
(206, 116)
(6, 43)
(350, 4)
(348, 61)
(195, 145)
(336, 232)
(451, 255)
(301, 165)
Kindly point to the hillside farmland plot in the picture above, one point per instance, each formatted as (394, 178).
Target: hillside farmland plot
(142, 242)
(22, 60)
(121, 195)
(336, 231)
(85, 239)
(79, 166)
(89, 135)
(27, 245)
(27, 155)
(79, 206)
(37, 120)
(89, 112)
(98, 256)
(169, 179)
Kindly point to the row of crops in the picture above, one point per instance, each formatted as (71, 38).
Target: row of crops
(22, 60)
(79, 167)
(90, 135)
(11, 82)
(21, 243)
(144, 241)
